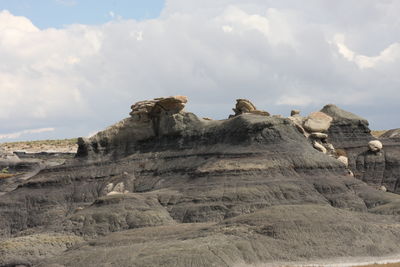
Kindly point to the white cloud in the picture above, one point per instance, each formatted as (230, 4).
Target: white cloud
(389, 54)
(25, 132)
(278, 53)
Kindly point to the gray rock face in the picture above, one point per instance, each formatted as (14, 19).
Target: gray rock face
(194, 192)
(347, 129)
(351, 134)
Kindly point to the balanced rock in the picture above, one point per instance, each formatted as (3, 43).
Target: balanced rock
(317, 122)
(375, 146)
(143, 110)
(245, 106)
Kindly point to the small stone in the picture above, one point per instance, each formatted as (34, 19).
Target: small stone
(344, 160)
(120, 187)
(108, 188)
(319, 135)
(330, 147)
(375, 146)
(383, 188)
(319, 147)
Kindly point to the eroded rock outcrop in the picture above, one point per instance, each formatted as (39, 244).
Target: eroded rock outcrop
(148, 109)
(7, 156)
(165, 187)
(376, 162)
(346, 129)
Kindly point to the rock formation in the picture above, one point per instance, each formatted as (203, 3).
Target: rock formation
(146, 110)
(7, 156)
(347, 129)
(245, 106)
(295, 112)
(375, 146)
(166, 188)
(366, 158)
(317, 122)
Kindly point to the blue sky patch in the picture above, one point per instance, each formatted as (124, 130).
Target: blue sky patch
(58, 13)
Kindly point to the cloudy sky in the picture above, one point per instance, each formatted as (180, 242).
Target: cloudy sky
(72, 67)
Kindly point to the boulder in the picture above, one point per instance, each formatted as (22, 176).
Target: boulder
(295, 112)
(245, 106)
(317, 122)
(344, 160)
(319, 147)
(143, 110)
(173, 104)
(375, 146)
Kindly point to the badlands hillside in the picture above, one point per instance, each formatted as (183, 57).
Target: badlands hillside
(164, 187)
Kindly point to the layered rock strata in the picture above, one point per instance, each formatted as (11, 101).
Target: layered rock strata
(166, 188)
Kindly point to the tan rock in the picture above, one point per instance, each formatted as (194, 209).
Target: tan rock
(143, 110)
(344, 160)
(319, 147)
(317, 122)
(245, 106)
(260, 112)
(319, 135)
(383, 188)
(173, 104)
(375, 146)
